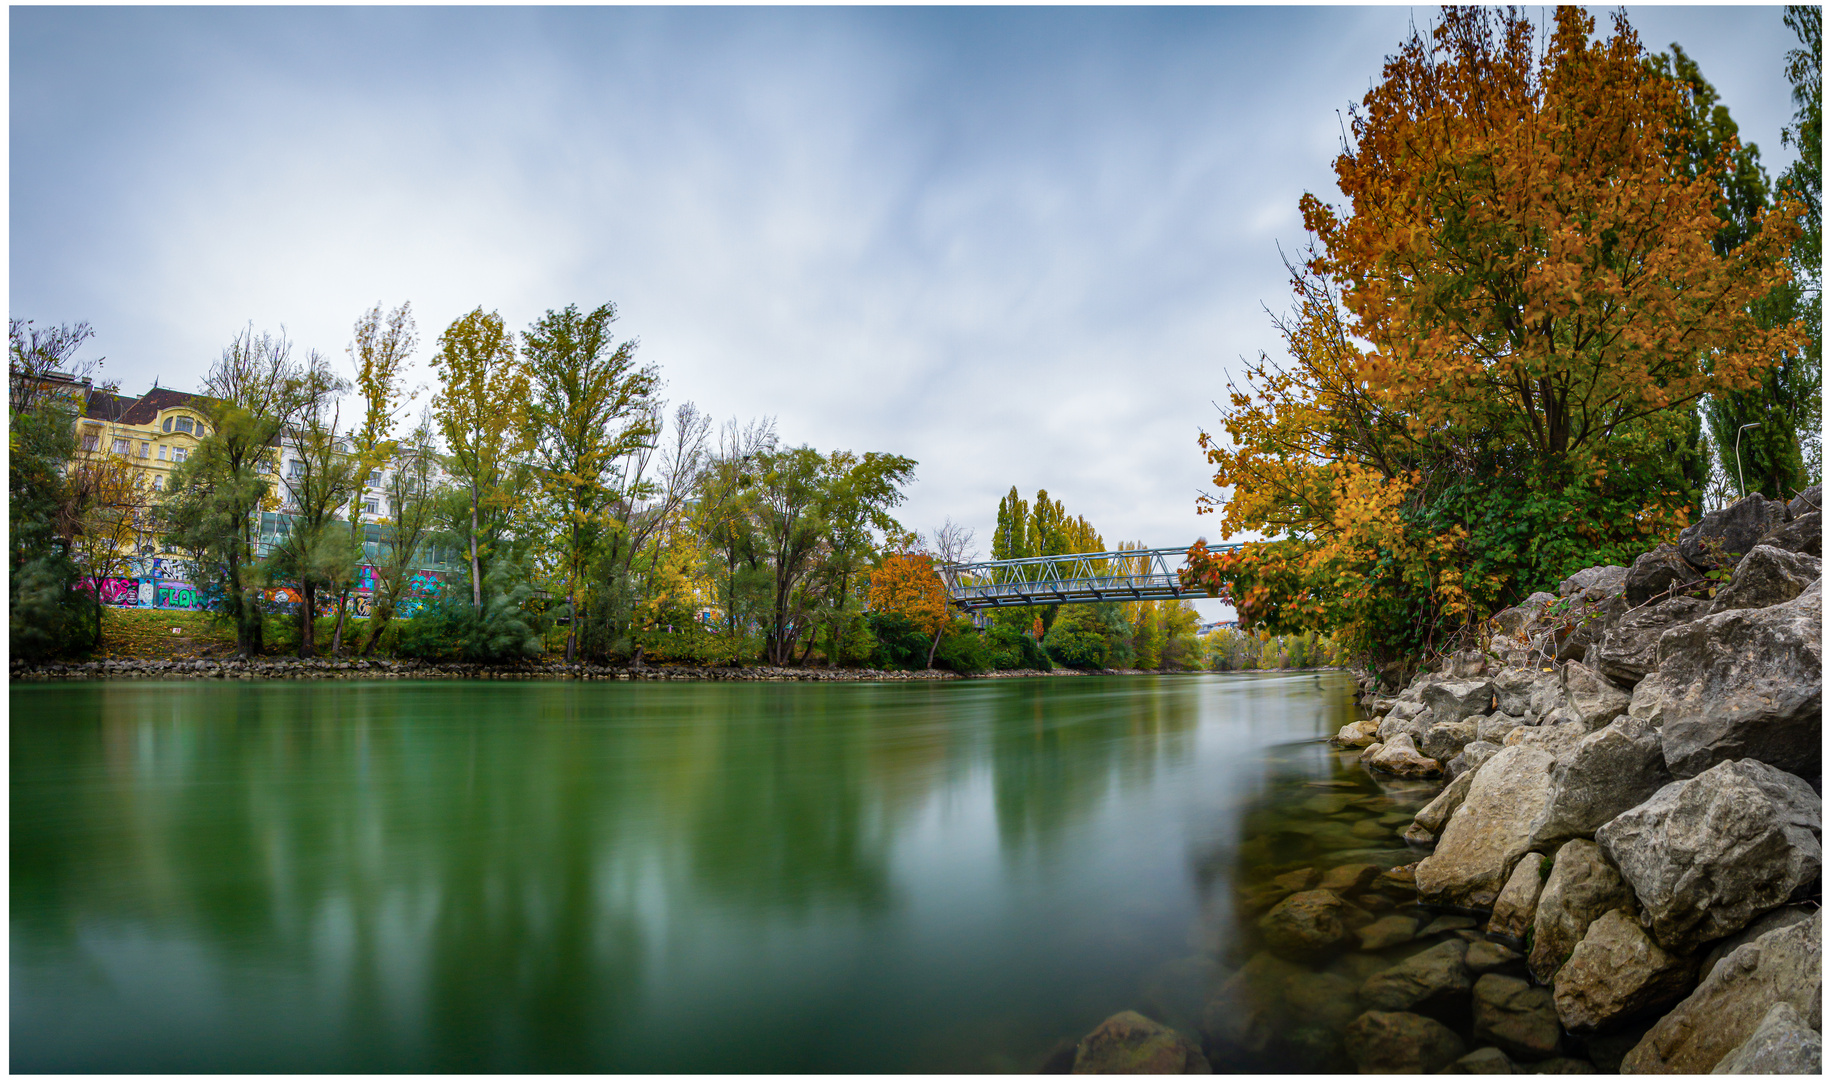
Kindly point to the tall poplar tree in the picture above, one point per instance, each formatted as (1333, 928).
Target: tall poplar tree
(480, 410)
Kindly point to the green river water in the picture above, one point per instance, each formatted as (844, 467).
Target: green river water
(653, 877)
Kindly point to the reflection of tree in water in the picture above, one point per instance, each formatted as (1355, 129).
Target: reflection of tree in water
(1058, 746)
(791, 819)
(434, 887)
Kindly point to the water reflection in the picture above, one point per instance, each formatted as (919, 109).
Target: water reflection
(583, 877)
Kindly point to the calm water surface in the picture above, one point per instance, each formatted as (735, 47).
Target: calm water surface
(690, 877)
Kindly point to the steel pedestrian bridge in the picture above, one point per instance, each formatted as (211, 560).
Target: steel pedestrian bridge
(1084, 578)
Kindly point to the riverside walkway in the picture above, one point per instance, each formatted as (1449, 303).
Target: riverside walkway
(1088, 577)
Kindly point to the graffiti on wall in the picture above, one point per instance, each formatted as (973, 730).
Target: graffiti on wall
(166, 585)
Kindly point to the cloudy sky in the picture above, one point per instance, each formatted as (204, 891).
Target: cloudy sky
(1022, 246)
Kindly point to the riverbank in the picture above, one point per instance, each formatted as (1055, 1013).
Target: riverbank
(1618, 867)
(276, 667)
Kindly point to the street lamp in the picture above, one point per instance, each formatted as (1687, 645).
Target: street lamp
(1739, 480)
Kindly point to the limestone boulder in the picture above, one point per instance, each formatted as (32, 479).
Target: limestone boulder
(1445, 739)
(1467, 664)
(1436, 813)
(1486, 956)
(1740, 684)
(1488, 1059)
(1518, 902)
(1128, 1044)
(1580, 889)
(1773, 920)
(1617, 973)
(1358, 734)
(1473, 756)
(1516, 1016)
(1782, 1043)
(1724, 1012)
(1734, 530)
(1591, 699)
(1808, 501)
(1608, 772)
(1557, 737)
(1801, 535)
(1484, 838)
(1660, 572)
(1766, 576)
(1595, 583)
(1494, 727)
(1399, 756)
(1436, 972)
(1306, 924)
(1629, 651)
(1400, 1042)
(1706, 856)
(1460, 699)
(1513, 690)
(1387, 931)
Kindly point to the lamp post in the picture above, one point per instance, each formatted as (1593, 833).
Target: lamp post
(1739, 480)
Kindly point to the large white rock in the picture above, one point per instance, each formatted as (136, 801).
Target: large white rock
(1617, 973)
(1489, 832)
(1581, 887)
(1782, 1043)
(1705, 856)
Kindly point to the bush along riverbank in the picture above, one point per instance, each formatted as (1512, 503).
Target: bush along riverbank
(1621, 866)
(290, 668)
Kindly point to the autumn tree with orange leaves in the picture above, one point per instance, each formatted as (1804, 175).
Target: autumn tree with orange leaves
(906, 584)
(1498, 341)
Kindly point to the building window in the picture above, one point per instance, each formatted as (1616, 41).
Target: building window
(370, 506)
(168, 424)
(121, 447)
(158, 483)
(146, 450)
(296, 468)
(90, 442)
(184, 424)
(374, 477)
(162, 453)
(179, 453)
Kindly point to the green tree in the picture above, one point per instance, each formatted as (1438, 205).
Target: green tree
(410, 487)
(320, 549)
(859, 493)
(46, 613)
(480, 408)
(379, 347)
(1801, 182)
(214, 497)
(589, 408)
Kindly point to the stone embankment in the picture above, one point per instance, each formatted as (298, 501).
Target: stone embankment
(1629, 826)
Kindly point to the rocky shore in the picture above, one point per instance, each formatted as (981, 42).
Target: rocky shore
(1620, 867)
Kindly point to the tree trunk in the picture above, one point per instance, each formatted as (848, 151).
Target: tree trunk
(809, 651)
(96, 584)
(343, 603)
(572, 623)
(378, 618)
(308, 602)
(476, 574)
(931, 648)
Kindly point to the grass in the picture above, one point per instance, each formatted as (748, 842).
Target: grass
(147, 634)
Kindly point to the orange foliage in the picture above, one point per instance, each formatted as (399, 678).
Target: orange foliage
(906, 583)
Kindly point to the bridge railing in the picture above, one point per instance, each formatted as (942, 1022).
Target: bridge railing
(1086, 577)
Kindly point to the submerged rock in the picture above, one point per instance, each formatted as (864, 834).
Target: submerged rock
(1488, 1059)
(1435, 972)
(1476, 851)
(1246, 1011)
(1128, 1043)
(1727, 1008)
(1616, 974)
(1400, 1042)
(1782, 1043)
(1385, 932)
(1706, 856)
(1486, 956)
(1516, 1016)
(1305, 924)
(1580, 888)
(1740, 684)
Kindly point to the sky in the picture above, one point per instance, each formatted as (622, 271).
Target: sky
(1023, 246)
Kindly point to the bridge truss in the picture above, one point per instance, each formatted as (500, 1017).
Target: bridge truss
(1090, 577)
